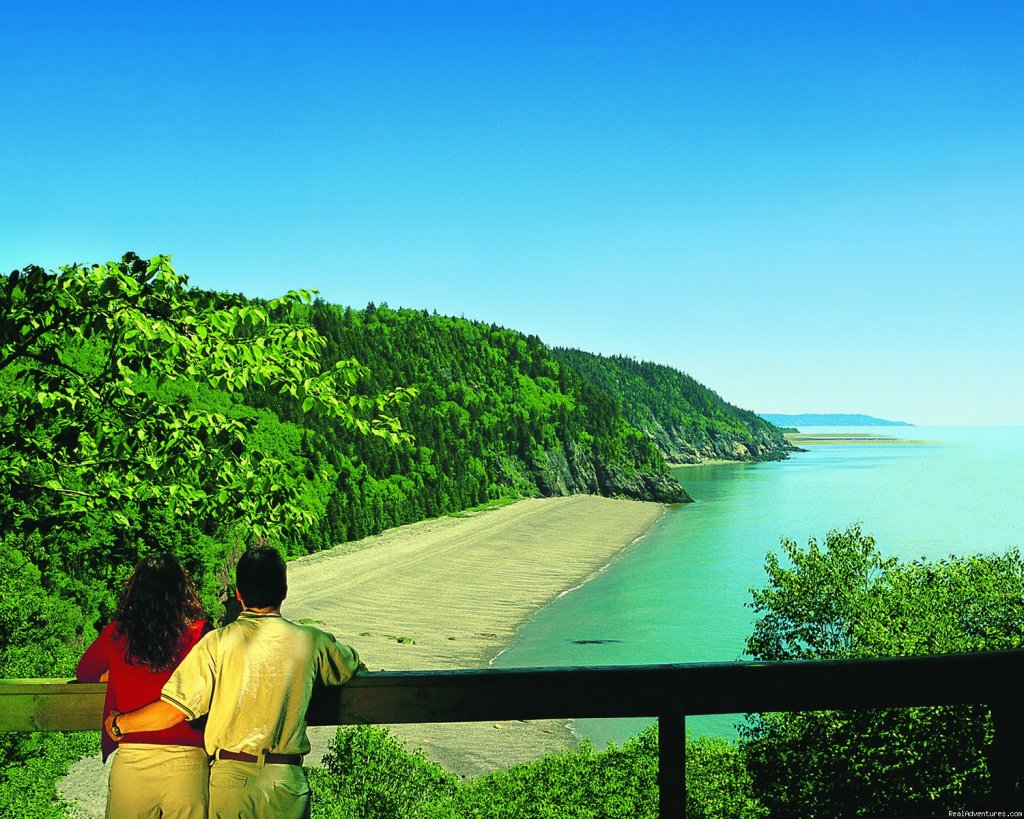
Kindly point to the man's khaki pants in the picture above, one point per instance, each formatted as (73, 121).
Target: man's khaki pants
(256, 790)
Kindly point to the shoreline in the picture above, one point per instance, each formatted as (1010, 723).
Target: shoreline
(606, 566)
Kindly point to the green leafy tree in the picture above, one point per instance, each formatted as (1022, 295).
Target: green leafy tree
(123, 428)
(718, 784)
(39, 637)
(88, 430)
(34, 626)
(844, 600)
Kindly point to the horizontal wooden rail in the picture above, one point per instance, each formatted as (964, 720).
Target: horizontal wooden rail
(666, 692)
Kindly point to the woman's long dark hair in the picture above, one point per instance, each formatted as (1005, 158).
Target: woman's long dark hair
(159, 603)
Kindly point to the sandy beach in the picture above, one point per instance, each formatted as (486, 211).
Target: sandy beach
(444, 594)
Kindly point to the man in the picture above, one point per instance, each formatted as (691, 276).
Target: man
(253, 679)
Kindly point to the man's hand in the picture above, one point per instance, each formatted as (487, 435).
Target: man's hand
(110, 726)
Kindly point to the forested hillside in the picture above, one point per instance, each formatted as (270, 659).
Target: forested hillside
(495, 416)
(687, 421)
(139, 411)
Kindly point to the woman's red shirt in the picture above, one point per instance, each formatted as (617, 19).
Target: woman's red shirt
(130, 686)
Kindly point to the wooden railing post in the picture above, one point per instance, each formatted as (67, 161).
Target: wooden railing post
(672, 765)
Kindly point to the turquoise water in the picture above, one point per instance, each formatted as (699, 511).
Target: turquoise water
(679, 594)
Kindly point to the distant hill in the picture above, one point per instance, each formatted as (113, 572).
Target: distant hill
(812, 419)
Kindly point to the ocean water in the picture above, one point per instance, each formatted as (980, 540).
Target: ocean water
(680, 594)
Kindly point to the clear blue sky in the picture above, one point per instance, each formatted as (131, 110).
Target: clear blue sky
(808, 206)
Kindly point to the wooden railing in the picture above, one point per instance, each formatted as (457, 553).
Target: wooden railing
(666, 692)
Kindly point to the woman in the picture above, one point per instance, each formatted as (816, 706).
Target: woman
(159, 620)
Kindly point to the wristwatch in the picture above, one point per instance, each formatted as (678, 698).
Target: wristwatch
(114, 729)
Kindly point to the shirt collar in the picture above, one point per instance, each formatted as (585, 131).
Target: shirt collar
(255, 615)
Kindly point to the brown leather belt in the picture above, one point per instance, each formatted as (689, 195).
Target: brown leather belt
(270, 759)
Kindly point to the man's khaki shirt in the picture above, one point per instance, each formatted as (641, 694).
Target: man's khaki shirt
(254, 678)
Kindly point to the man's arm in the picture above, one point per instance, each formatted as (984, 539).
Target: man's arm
(339, 663)
(156, 716)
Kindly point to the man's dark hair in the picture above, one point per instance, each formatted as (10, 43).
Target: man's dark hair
(261, 577)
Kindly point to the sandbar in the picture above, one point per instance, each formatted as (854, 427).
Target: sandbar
(821, 438)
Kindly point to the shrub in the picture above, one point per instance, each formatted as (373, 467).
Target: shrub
(368, 773)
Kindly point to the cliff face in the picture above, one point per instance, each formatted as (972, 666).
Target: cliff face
(688, 446)
(572, 470)
(565, 471)
(648, 485)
